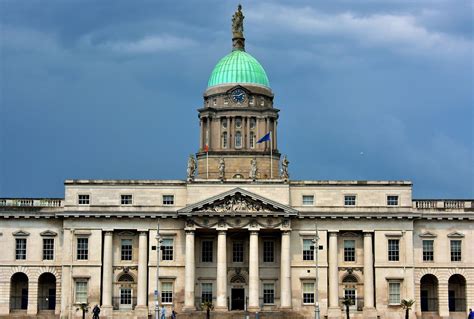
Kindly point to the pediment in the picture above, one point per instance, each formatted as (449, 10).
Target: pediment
(48, 233)
(455, 235)
(21, 233)
(238, 201)
(428, 234)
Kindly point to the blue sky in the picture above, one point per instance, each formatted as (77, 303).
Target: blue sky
(369, 90)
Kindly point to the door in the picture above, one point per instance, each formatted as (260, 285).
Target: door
(451, 300)
(238, 299)
(125, 298)
(24, 298)
(52, 298)
(424, 300)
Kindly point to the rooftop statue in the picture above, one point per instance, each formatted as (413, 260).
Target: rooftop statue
(238, 23)
(191, 171)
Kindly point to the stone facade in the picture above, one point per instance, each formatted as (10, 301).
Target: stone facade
(242, 244)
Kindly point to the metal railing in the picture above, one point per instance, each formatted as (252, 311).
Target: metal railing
(429, 304)
(357, 304)
(457, 304)
(120, 303)
(199, 302)
(435, 204)
(18, 302)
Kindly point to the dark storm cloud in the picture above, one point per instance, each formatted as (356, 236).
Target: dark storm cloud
(109, 89)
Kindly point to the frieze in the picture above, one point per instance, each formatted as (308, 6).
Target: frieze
(232, 222)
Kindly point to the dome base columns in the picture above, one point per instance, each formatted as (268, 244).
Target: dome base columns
(238, 166)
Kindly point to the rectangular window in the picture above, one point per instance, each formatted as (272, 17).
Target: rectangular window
(48, 248)
(127, 250)
(308, 200)
(81, 291)
(20, 249)
(394, 293)
(167, 249)
(455, 250)
(393, 250)
(308, 292)
(206, 292)
(83, 199)
(349, 200)
(125, 296)
(428, 251)
(349, 250)
(392, 200)
(268, 293)
(268, 251)
(206, 251)
(82, 248)
(308, 249)
(350, 293)
(238, 252)
(168, 199)
(126, 199)
(166, 292)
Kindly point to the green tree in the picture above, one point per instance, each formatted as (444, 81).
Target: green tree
(208, 306)
(407, 304)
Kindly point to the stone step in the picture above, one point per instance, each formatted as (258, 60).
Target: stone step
(241, 315)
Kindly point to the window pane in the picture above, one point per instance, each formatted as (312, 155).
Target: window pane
(308, 250)
(167, 249)
(455, 250)
(238, 252)
(83, 199)
(127, 251)
(81, 292)
(206, 294)
(349, 200)
(393, 249)
(428, 252)
(20, 252)
(268, 293)
(166, 292)
(207, 251)
(394, 293)
(48, 248)
(168, 199)
(268, 252)
(349, 250)
(308, 199)
(308, 292)
(82, 248)
(126, 199)
(392, 200)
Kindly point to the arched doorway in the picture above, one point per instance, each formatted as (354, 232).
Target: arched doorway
(19, 292)
(429, 293)
(46, 291)
(125, 292)
(457, 293)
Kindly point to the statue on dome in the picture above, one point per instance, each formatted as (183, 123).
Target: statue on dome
(221, 169)
(284, 169)
(253, 169)
(238, 23)
(191, 171)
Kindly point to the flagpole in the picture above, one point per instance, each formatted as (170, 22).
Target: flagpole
(271, 155)
(207, 162)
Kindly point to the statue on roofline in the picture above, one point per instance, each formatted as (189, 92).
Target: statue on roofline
(191, 168)
(238, 23)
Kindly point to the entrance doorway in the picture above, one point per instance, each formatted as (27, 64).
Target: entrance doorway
(238, 299)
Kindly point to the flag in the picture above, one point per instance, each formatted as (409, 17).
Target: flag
(265, 138)
(206, 148)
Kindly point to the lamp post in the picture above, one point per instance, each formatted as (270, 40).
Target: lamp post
(158, 243)
(316, 249)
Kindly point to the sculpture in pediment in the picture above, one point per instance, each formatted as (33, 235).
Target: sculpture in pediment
(237, 203)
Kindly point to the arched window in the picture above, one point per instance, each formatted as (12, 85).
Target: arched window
(252, 140)
(224, 140)
(238, 139)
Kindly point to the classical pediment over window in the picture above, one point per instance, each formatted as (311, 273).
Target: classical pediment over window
(455, 235)
(48, 233)
(240, 202)
(428, 234)
(21, 233)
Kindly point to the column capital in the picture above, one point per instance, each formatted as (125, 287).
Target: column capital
(189, 231)
(253, 232)
(221, 232)
(286, 231)
(333, 233)
(142, 232)
(108, 232)
(368, 233)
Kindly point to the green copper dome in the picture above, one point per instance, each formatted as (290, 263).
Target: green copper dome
(238, 67)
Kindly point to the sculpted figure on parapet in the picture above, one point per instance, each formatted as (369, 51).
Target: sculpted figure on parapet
(191, 171)
(284, 169)
(253, 169)
(221, 169)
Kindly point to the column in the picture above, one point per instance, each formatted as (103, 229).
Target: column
(334, 311)
(189, 272)
(369, 310)
(443, 299)
(253, 272)
(142, 269)
(107, 271)
(221, 280)
(285, 270)
(209, 135)
(32, 297)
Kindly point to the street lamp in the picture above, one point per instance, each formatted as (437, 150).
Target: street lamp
(316, 249)
(158, 248)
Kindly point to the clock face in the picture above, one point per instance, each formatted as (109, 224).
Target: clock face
(238, 96)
